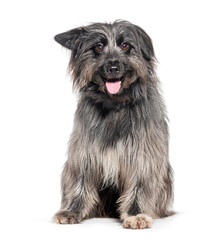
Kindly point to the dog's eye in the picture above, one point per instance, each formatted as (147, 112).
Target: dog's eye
(125, 46)
(99, 48)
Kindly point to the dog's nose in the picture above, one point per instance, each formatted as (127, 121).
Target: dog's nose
(113, 68)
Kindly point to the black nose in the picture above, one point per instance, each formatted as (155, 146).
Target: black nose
(112, 69)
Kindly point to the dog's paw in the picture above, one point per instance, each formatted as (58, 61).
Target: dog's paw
(66, 217)
(139, 221)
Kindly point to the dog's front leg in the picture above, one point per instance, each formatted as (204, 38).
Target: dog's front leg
(131, 207)
(79, 196)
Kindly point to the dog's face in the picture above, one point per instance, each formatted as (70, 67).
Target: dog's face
(107, 59)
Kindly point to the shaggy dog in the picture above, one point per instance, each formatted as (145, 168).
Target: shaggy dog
(117, 162)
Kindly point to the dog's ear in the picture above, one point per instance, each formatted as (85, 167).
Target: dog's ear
(70, 38)
(146, 44)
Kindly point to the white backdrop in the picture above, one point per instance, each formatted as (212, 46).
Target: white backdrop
(37, 107)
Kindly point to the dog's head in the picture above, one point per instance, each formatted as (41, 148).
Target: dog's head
(108, 60)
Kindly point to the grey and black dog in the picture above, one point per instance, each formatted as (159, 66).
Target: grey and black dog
(118, 151)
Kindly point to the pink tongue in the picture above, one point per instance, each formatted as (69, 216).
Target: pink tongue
(113, 87)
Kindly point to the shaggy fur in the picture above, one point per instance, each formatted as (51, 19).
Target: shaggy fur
(118, 151)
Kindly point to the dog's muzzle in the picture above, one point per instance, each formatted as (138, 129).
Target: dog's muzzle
(114, 71)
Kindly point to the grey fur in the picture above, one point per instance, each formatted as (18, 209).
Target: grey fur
(118, 151)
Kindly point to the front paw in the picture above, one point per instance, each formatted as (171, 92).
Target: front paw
(66, 217)
(139, 221)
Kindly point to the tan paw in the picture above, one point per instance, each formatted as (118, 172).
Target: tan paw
(139, 221)
(66, 217)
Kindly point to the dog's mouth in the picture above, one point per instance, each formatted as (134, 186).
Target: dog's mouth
(113, 85)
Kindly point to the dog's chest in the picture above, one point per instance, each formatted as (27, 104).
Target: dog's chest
(116, 142)
(114, 127)
(121, 161)
(111, 161)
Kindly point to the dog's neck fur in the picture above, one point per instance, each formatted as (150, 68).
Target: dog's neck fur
(110, 121)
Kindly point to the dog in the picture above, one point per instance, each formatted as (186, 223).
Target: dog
(117, 162)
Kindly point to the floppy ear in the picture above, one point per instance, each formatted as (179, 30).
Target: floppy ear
(70, 38)
(146, 45)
